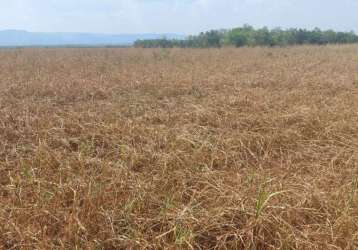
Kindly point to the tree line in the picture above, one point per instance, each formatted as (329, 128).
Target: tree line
(249, 36)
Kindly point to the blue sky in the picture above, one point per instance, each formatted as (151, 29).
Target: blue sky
(175, 16)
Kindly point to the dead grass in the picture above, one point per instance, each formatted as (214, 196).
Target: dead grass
(179, 149)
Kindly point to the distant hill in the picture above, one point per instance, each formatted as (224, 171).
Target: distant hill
(15, 38)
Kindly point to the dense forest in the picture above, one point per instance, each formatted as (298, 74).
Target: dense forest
(249, 36)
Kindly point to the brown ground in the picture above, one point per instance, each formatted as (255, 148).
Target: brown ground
(181, 149)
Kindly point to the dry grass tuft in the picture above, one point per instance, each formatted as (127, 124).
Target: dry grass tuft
(193, 149)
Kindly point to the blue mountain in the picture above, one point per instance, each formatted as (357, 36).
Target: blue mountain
(13, 38)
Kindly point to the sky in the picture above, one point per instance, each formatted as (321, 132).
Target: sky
(174, 16)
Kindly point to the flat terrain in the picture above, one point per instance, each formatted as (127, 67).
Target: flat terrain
(252, 148)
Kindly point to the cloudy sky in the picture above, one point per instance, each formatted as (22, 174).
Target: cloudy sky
(175, 16)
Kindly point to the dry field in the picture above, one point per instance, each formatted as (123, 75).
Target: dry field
(179, 149)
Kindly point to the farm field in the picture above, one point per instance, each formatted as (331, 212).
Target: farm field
(249, 148)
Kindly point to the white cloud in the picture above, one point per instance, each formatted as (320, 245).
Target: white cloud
(184, 16)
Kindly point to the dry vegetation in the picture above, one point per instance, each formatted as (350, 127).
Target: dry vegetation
(180, 149)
